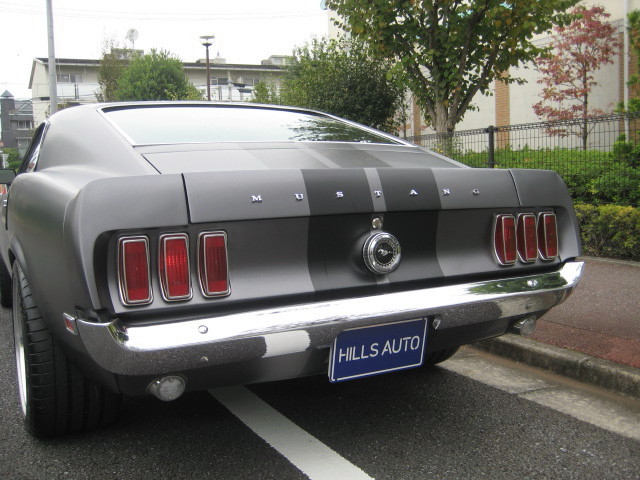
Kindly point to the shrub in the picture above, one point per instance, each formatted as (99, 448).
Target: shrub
(592, 176)
(629, 152)
(620, 187)
(14, 158)
(610, 230)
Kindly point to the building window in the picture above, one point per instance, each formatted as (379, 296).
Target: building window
(250, 82)
(220, 81)
(24, 124)
(69, 78)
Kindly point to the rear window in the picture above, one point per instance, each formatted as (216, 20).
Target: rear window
(154, 125)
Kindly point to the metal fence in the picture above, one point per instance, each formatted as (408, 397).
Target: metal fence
(598, 157)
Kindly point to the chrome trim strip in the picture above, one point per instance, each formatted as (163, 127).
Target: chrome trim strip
(162, 269)
(226, 339)
(124, 298)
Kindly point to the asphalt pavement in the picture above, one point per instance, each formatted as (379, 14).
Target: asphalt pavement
(594, 336)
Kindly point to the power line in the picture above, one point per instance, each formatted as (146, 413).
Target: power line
(157, 16)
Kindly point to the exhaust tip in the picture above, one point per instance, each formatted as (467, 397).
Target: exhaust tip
(167, 388)
(524, 326)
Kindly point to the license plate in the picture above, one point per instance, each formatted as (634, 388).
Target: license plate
(367, 351)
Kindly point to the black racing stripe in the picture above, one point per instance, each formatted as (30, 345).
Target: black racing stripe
(335, 252)
(277, 158)
(408, 189)
(416, 232)
(354, 159)
(339, 226)
(337, 191)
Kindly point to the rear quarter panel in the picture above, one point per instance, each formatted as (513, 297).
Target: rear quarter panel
(80, 147)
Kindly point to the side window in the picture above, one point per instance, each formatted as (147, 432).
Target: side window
(30, 160)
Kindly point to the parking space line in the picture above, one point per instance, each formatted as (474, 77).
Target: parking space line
(553, 392)
(305, 452)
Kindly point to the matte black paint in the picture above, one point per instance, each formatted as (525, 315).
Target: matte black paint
(335, 252)
(416, 232)
(246, 195)
(409, 189)
(338, 191)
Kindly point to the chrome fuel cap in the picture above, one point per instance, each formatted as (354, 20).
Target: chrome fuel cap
(381, 253)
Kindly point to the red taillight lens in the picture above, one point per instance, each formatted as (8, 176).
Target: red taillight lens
(504, 238)
(527, 237)
(547, 236)
(133, 270)
(175, 275)
(212, 258)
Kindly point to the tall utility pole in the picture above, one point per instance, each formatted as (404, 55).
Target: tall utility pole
(207, 41)
(53, 78)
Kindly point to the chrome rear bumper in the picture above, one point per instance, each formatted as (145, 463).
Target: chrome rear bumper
(260, 334)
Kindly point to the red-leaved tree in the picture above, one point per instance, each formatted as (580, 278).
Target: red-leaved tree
(579, 50)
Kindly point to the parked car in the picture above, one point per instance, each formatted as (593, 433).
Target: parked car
(158, 248)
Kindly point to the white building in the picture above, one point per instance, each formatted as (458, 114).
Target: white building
(78, 80)
(513, 104)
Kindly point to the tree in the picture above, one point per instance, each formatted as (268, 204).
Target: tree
(338, 77)
(446, 51)
(579, 50)
(633, 20)
(158, 75)
(112, 63)
(265, 91)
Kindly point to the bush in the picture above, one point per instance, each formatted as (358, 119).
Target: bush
(618, 186)
(592, 176)
(14, 158)
(610, 230)
(628, 152)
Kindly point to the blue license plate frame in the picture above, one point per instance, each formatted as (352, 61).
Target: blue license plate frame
(375, 350)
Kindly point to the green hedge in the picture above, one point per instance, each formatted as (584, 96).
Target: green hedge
(14, 158)
(610, 230)
(592, 176)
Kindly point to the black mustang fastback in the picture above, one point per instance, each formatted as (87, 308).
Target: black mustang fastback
(166, 247)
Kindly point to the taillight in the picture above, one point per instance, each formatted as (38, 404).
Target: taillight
(133, 270)
(547, 236)
(527, 238)
(504, 239)
(212, 264)
(173, 266)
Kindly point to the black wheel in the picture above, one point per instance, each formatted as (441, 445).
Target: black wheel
(439, 356)
(55, 397)
(6, 296)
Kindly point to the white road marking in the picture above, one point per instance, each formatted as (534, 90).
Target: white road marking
(598, 412)
(622, 417)
(304, 451)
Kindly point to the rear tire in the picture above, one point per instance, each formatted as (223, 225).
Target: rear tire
(55, 397)
(439, 356)
(6, 296)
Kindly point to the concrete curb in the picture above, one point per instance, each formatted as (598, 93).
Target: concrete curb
(580, 366)
(613, 261)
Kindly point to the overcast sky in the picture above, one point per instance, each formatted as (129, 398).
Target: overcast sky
(246, 31)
